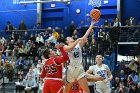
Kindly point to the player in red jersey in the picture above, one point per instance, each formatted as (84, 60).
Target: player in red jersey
(52, 70)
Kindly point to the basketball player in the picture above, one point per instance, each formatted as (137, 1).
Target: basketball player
(75, 70)
(52, 70)
(102, 70)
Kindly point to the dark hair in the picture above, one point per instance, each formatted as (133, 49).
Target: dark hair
(45, 53)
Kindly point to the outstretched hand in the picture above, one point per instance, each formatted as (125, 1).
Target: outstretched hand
(95, 21)
(58, 46)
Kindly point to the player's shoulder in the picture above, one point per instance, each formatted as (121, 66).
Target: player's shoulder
(105, 66)
(92, 67)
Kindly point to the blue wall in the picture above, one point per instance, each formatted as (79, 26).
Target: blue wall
(15, 13)
(60, 16)
(131, 8)
(55, 17)
(108, 11)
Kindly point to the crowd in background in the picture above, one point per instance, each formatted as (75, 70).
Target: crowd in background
(20, 54)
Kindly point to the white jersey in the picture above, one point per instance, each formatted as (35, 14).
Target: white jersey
(75, 56)
(100, 71)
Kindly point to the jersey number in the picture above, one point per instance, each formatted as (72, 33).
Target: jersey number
(76, 54)
(75, 87)
(103, 76)
(51, 69)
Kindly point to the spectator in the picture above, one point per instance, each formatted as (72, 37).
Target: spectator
(126, 22)
(31, 85)
(131, 21)
(121, 88)
(134, 76)
(41, 84)
(117, 82)
(8, 70)
(22, 26)
(132, 65)
(134, 88)
(25, 38)
(32, 38)
(20, 85)
(72, 28)
(20, 66)
(106, 23)
(117, 23)
(122, 76)
(22, 51)
(75, 34)
(55, 34)
(127, 71)
(8, 28)
(30, 73)
(39, 40)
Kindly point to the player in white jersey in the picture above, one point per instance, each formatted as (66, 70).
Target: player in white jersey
(75, 69)
(102, 70)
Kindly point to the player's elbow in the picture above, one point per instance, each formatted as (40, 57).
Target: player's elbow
(42, 76)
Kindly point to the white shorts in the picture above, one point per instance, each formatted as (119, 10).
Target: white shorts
(74, 73)
(102, 89)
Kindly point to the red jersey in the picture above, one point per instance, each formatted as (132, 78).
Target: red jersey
(52, 67)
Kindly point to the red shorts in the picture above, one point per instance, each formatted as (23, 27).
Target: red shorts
(52, 86)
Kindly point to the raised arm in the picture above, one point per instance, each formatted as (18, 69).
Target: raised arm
(87, 33)
(70, 47)
(63, 58)
(90, 28)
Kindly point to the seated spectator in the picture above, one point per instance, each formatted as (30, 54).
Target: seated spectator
(8, 70)
(121, 88)
(46, 35)
(133, 66)
(137, 62)
(41, 83)
(22, 51)
(39, 40)
(117, 23)
(20, 66)
(55, 34)
(122, 76)
(52, 41)
(75, 34)
(106, 23)
(32, 38)
(129, 82)
(127, 71)
(31, 85)
(134, 76)
(134, 88)
(10, 48)
(30, 73)
(131, 21)
(20, 85)
(117, 81)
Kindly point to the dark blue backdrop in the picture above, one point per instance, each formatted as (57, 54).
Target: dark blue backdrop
(131, 8)
(61, 15)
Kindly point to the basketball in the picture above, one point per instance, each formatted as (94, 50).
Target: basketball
(95, 14)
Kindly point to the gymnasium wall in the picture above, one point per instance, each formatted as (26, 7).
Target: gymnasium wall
(61, 15)
(131, 8)
(15, 13)
(108, 11)
(55, 15)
